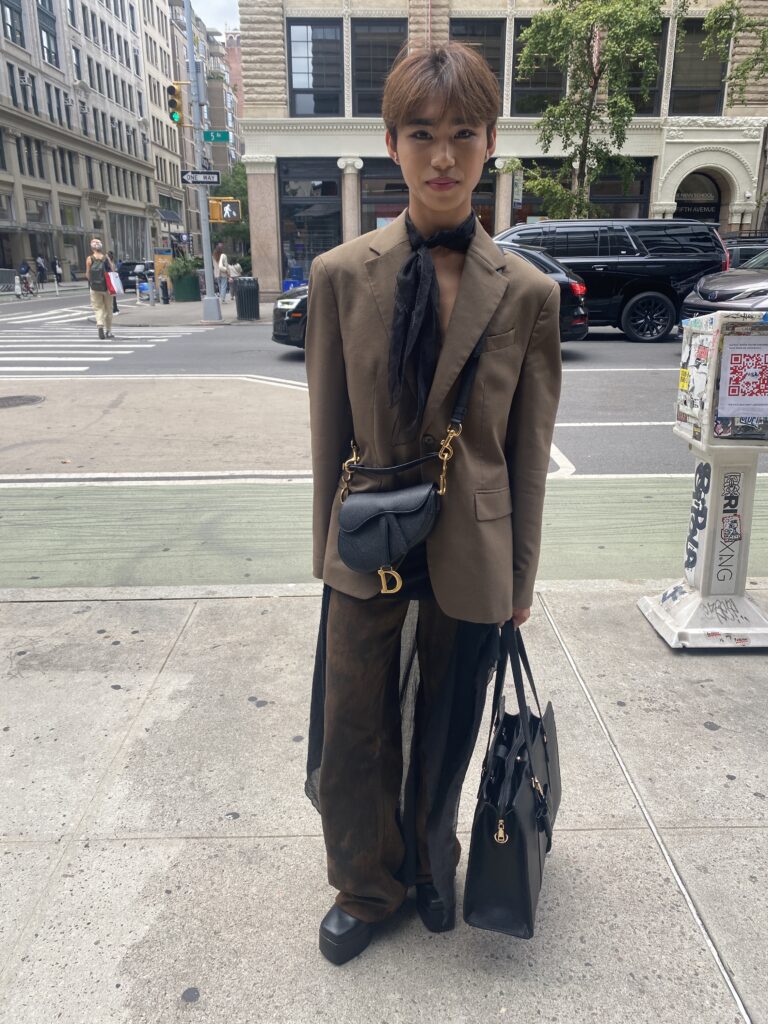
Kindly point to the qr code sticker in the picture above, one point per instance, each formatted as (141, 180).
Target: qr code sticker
(730, 528)
(748, 374)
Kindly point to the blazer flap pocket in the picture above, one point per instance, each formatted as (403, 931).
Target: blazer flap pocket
(493, 504)
(494, 342)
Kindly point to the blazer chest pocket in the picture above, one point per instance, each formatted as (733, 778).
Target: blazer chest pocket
(494, 342)
(493, 504)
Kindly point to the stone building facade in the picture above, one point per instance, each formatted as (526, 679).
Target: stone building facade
(318, 172)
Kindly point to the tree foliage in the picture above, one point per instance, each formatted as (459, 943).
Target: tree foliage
(235, 185)
(605, 48)
(727, 26)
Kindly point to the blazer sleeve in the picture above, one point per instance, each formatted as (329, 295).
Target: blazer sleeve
(529, 439)
(330, 413)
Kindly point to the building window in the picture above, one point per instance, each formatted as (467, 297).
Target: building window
(76, 62)
(383, 193)
(6, 207)
(532, 96)
(310, 213)
(13, 22)
(90, 72)
(49, 100)
(607, 191)
(697, 81)
(71, 13)
(49, 46)
(86, 24)
(486, 35)
(315, 68)
(375, 44)
(651, 107)
(12, 85)
(89, 171)
(96, 129)
(38, 211)
(100, 79)
(68, 104)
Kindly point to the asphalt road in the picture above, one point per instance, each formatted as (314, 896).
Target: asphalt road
(615, 417)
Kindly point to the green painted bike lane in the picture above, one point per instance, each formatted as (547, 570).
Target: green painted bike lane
(244, 533)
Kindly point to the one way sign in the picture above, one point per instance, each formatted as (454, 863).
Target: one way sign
(201, 177)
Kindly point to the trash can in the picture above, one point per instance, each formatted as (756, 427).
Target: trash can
(247, 298)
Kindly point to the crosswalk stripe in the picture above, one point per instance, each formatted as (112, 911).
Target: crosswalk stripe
(60, 359)
(42, 369)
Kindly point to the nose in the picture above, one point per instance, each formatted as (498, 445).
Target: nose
(443, 158)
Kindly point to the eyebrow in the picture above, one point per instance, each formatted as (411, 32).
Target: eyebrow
(430, 121)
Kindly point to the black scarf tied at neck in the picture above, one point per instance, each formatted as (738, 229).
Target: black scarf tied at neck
(415, 338)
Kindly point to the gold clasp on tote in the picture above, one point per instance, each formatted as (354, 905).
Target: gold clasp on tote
(385, 573)
(445, 455)
(500, 835)
(347, 470)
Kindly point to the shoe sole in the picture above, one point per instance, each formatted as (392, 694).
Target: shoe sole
(340, 952)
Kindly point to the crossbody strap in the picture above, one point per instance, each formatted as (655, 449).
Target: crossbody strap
(468, 375)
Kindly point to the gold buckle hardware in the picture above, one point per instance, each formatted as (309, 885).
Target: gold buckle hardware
(347, 470)
(537, 786)
(500, 835)
(385, 572)
(445, 455)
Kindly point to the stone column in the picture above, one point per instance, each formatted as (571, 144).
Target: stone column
(350, 196)
(264, 218)
(504, 183)
(665, 211)
(19, 241)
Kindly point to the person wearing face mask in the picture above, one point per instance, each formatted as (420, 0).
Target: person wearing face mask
(404, 325)
(96, 268)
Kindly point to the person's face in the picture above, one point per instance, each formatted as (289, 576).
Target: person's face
(442, 160)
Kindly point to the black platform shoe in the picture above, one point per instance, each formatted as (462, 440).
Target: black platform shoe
(432, 909)
(342, 936)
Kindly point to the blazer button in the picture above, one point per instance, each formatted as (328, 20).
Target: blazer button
(428, 441)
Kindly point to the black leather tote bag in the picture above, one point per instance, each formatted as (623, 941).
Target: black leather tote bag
(517, 804)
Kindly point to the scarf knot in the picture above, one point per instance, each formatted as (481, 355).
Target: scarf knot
(415, 335)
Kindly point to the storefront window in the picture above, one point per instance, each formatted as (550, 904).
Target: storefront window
(607, 192)
(310, 213)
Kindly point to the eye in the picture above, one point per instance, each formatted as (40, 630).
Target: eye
(466, 133)
(420, 134)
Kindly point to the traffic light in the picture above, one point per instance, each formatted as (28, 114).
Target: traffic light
(224, 210)
(175, 111)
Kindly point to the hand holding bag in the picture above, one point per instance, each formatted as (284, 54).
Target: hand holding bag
(517, 804)
(114, 284)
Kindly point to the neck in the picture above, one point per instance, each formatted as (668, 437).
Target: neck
(427, 222)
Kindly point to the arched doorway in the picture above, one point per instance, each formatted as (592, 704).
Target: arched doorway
(698, 197)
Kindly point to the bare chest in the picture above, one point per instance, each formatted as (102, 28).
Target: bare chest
(448, 279)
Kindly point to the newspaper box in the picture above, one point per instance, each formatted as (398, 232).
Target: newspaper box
(722, 412)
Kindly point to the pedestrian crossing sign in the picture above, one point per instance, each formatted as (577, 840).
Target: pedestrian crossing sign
(224, 210)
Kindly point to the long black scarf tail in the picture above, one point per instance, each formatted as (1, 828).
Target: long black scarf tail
(415, 336)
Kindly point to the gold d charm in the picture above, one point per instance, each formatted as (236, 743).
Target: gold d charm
(397, 580)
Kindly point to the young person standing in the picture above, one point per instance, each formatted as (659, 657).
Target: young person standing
(96, 267)
(401, 676)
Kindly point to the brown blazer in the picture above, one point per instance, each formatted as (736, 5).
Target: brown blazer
(484, 551)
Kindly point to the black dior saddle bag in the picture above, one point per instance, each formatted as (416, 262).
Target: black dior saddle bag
(377, 529)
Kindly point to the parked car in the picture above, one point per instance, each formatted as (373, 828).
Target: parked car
(133, 271)
(574, 323)
(744, 248)
(743, 289)
(289, 319)
(637, 272)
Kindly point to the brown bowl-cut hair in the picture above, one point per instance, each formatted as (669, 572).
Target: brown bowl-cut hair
(454, 74)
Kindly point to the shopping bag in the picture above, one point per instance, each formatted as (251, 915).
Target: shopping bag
(114, 284)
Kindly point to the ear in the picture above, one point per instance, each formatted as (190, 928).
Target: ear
(491, 142)
(391, 146)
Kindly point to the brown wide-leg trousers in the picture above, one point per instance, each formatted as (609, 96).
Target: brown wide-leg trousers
(362, 764)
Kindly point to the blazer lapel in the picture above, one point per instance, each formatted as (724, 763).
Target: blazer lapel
(481, 289)
(390, 248)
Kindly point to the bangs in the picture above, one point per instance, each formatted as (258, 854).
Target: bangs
(454, 76)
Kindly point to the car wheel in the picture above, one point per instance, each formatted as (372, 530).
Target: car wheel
(648, 317)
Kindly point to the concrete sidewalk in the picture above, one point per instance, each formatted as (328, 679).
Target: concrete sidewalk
(180, 314)
(160, 858)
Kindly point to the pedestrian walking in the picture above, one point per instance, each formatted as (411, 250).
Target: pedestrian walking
(57, 269)
(221, 269)
(115, 310)
(416, 325)
(42, 272)
(96, 267)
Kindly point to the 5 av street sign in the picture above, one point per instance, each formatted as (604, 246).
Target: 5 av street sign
(215, 135)
(201, 177)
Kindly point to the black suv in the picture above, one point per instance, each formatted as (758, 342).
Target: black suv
(637, 272)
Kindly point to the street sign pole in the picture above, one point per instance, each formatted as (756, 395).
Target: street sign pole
(211, 307)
